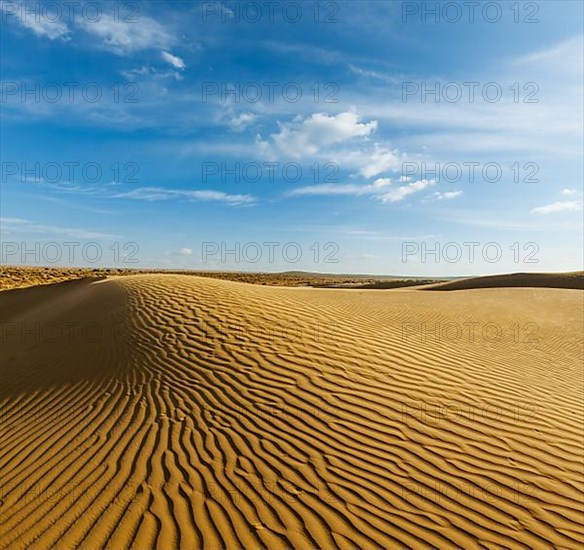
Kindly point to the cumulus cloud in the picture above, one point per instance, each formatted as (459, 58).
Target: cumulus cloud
(375, 162)
(307, 136)
(569, 192)
(240, 122)
(343, 139)
(561, 206)
(185, 252)
(173, 60)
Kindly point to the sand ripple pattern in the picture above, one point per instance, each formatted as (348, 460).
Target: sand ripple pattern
(213, 414)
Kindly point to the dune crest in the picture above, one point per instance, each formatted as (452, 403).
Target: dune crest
(573, 279)
(213, 414)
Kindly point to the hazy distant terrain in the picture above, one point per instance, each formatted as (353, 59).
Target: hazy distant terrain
(18, 276)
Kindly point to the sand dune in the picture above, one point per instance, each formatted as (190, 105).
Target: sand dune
(574, 279)
(171, 411)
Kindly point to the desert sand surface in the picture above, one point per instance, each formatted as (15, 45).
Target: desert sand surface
(173, 411)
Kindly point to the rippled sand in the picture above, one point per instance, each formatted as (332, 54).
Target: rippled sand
(171, 411)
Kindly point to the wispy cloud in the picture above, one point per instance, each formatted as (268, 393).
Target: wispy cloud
(441, 196)
(328, 189)
(575, 205)
(18, 225)
(560, 206)
(378, 189)
(39, 25)
(124, 38)
(152, 194)
(566, 55)
(542, 116)
(114, 34)
(399, 194)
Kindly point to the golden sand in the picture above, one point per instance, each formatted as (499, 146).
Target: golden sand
(171, 411)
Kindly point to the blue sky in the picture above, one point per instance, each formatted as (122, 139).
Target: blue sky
(186, 145)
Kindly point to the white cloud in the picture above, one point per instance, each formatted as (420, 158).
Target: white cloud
(146, 73)
(569, 192)
(377, 189)
(366, 72)
(118, 36)
(123, 38)
(373, 163)
(564, 56)
(160, 194)
(447, 195)
(240, 122)
(12, 220)
(185, 252)
(140, 71)
(330, 189)
(20, 226)
(562, 206)
(48, 26)
(392, 78)
(174, 60)
(381, 182)
(399, 194)
(543, 116)
(332, 139)
(308, 136)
